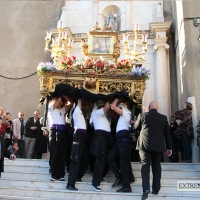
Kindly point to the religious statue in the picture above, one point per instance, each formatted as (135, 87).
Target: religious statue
(95, 27)
(117, 48)
(112, 22)
(103, 26)
(84, 47)
(159, 10)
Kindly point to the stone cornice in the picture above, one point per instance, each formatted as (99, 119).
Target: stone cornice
(160, 27)
(54, 31)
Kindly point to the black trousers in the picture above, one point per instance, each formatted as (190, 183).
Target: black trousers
(186, 141)
(123, 151)
(77, 169)
(57, 155)
(21, 147)
(150, 158)
(101, 167)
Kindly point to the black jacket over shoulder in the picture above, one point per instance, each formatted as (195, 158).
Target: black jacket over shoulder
(154, 132)
(41, 141)
(30, 122)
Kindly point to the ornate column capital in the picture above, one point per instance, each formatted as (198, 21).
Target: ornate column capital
(161, 47)
(158, 29)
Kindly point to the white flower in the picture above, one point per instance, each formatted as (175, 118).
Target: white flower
(111, 62)
(46, 66)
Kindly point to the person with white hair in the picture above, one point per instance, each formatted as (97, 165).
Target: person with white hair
(19, 132)
(100, 142)
(31, 133)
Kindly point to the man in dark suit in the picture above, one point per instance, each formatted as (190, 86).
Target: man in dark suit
(31, 133)
(154, 134)
(4, 152)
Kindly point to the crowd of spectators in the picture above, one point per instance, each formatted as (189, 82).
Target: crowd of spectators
(180, 128)
(24, 139)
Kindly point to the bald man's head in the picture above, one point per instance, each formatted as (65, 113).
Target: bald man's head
(153, 105)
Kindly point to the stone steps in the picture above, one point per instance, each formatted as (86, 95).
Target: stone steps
(137, 173)
(86, 178)
(82, 186)
(135, 165)
(51, 194)
(19, 198)
(29, 179)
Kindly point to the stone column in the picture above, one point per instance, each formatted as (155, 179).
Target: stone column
(161, 68)
(162, 94)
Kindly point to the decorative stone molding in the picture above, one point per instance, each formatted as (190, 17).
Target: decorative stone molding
(160, 27)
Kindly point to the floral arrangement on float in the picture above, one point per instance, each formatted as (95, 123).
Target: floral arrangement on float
(47, 66)
(96, 66)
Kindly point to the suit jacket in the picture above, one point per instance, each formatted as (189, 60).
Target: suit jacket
(154, 132)
(4, 152)
(30, 122)
(17, 128)
(41, 141)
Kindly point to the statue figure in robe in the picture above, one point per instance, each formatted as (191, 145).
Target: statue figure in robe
(112, 22)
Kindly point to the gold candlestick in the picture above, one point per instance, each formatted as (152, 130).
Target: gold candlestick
(59, 47)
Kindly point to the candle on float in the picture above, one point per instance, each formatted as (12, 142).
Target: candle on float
(143, 38)
(146, 36)
(59, 24)
(136, 27)
(70, 43)
(64, 35)
(125, 37)
(52, 43)
(48, 35)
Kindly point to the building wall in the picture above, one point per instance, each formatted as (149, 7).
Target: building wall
(23, 29)
(187, 50)
(192, 69)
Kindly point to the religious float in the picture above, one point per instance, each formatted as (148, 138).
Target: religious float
(100, 71)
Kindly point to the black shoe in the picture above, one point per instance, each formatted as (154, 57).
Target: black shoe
(61, 179)
(70, 187)
(117, 182)
(97, 188)
(123, 189)
(145, 195)
(155, 193)
(78, 180)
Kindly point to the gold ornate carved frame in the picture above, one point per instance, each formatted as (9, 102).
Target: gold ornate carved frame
(101, 84)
